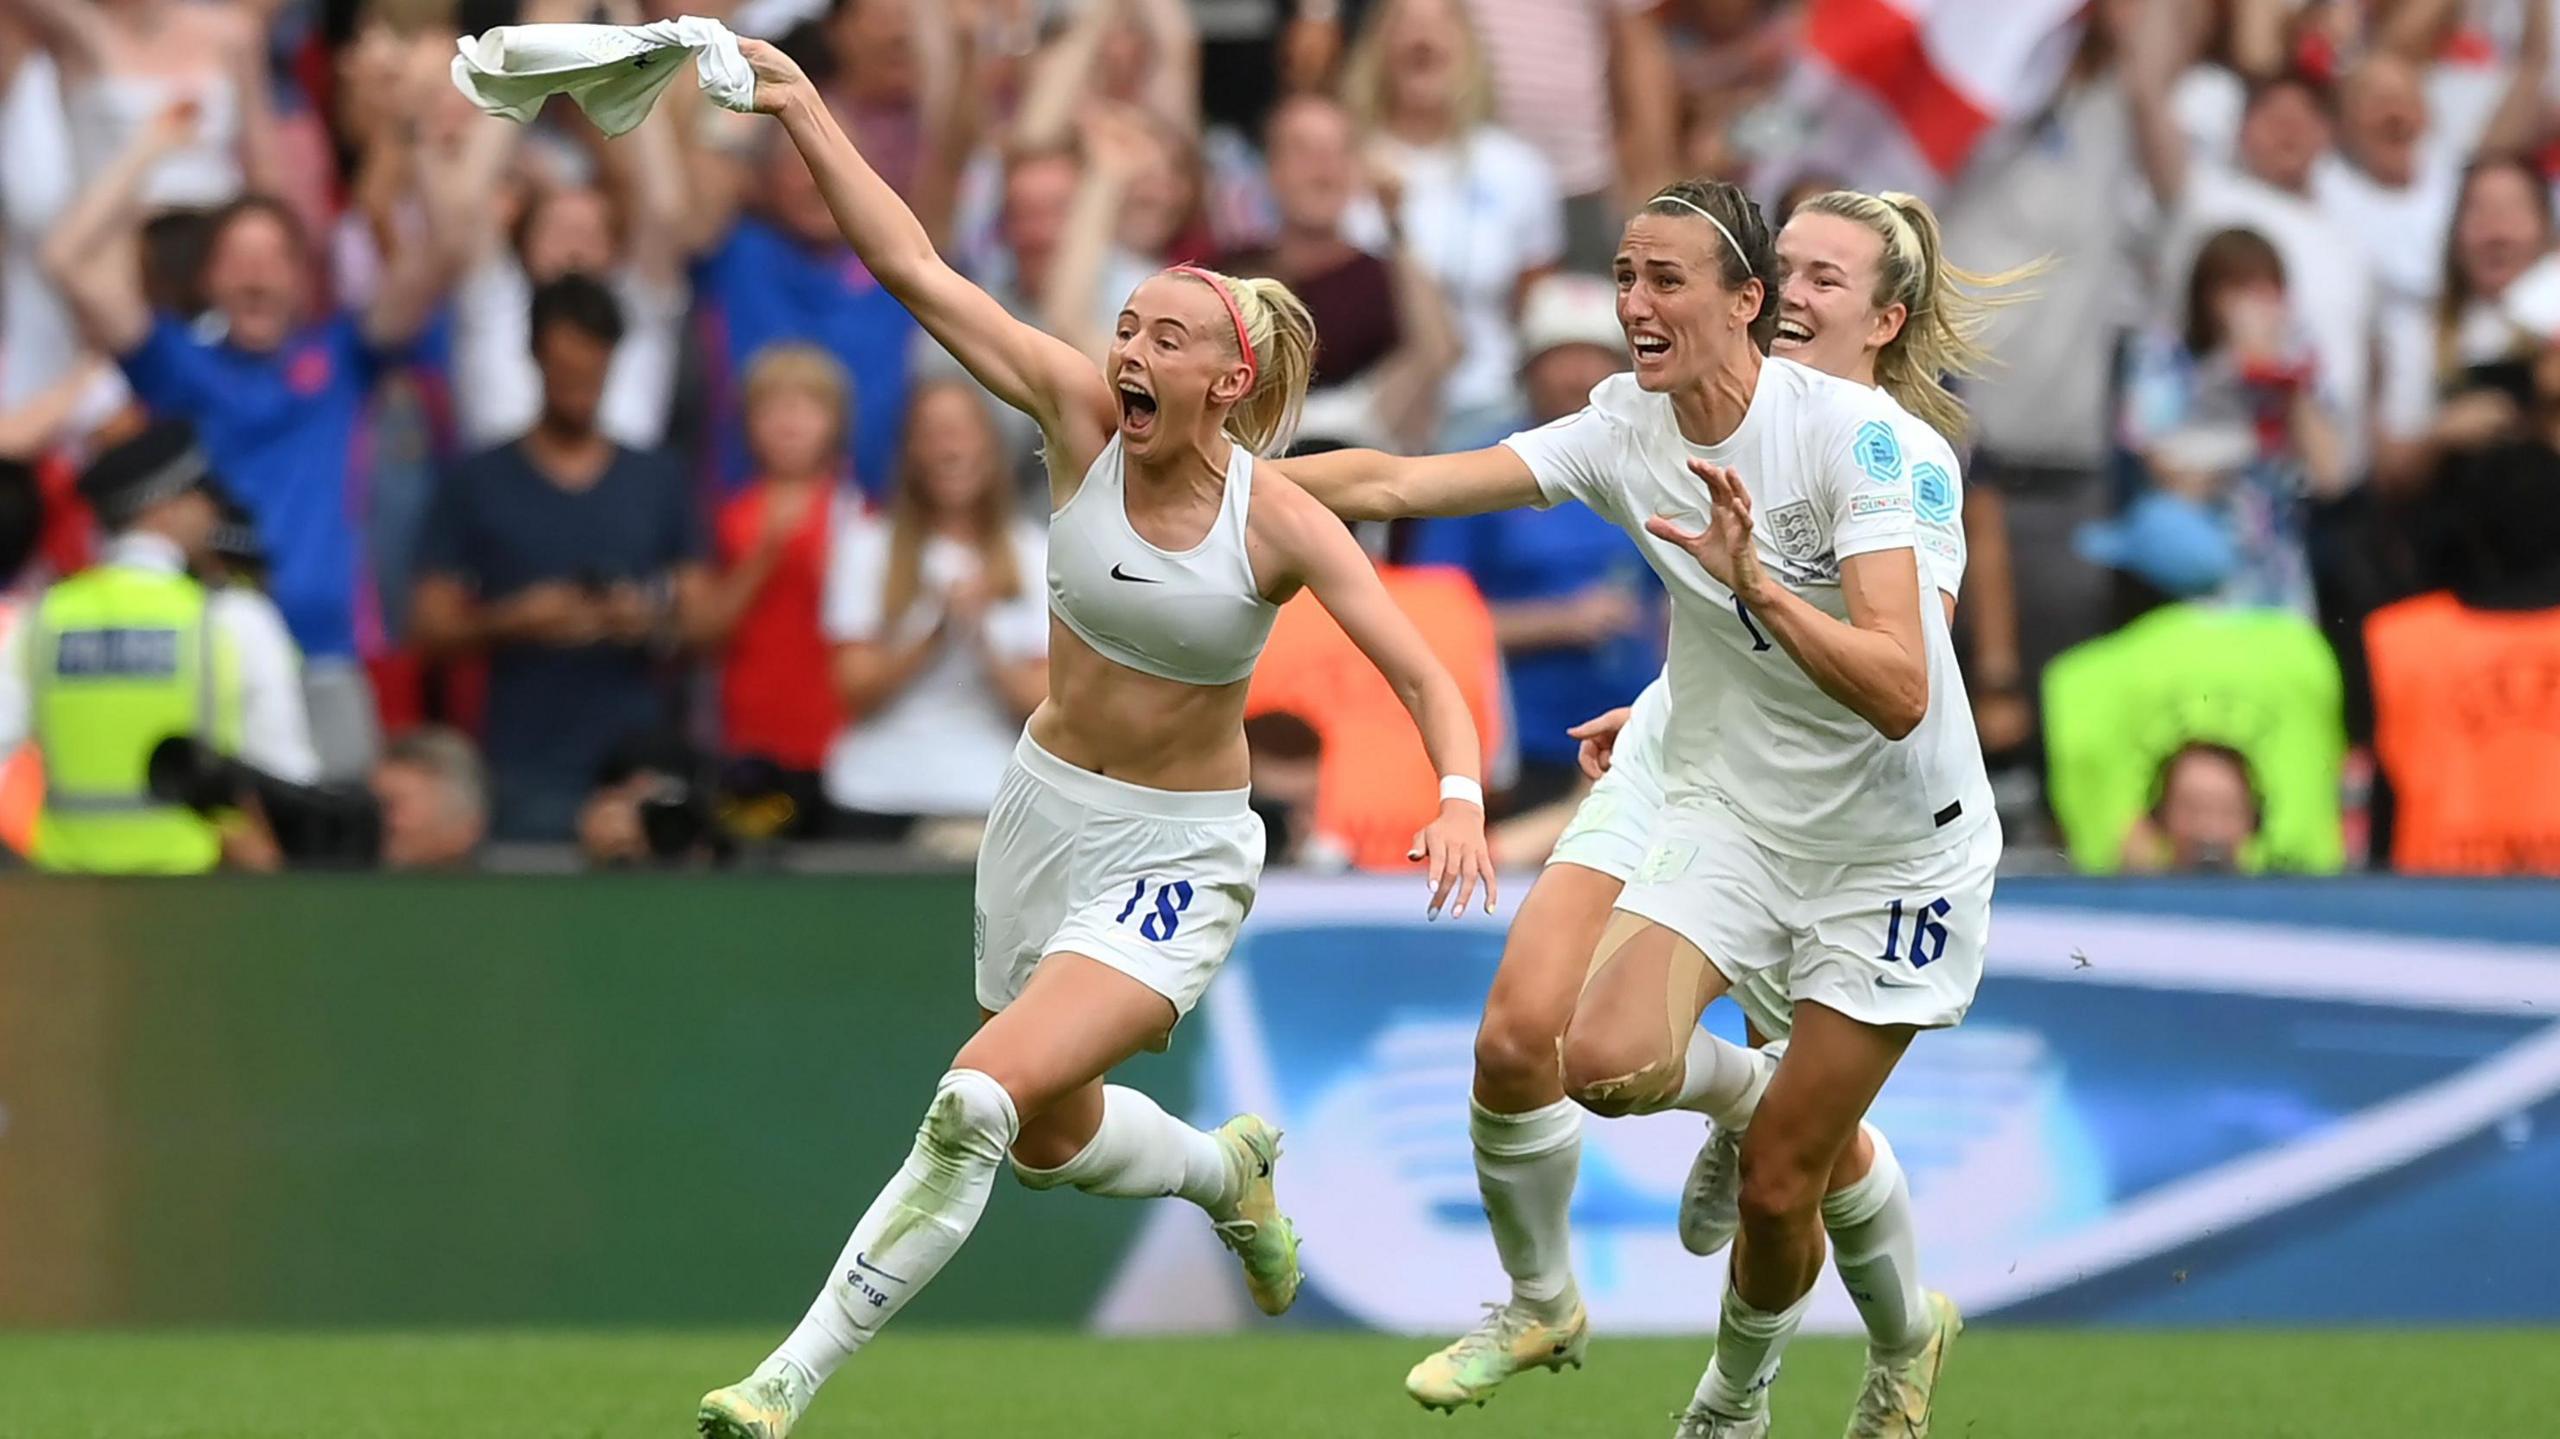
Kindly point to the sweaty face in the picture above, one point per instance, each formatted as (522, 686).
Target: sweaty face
(253, 275)
(792, 432)
(1829, 272)
(2283, 135)
(1312, 163)
(1173, 347)
(2498, 232)
(1681, 321)
(569, 230)
(951, 449)
(573, 365)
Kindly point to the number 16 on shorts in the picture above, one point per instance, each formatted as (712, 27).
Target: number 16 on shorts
(1173, 897)
(1928, 937)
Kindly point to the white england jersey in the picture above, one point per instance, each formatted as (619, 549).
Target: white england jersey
(1835, 470)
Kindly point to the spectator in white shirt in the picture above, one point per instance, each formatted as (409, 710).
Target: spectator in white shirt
(941, 628)
(1480, 207)
(2285, 130)
(2392, 182)
(2430, 405)
(628, 233)
(1589, 82)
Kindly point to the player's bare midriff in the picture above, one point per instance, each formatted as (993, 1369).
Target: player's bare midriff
(1137, 728)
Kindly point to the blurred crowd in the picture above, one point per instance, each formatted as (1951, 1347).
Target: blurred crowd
(596, 495)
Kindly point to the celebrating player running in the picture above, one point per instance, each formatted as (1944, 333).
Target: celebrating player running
(1828, 825)
(1121, 855)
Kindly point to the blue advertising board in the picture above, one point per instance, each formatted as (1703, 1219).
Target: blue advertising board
(2192, 1104)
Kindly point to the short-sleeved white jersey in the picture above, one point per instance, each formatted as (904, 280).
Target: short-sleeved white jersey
(1937, 500)
(1833, 473)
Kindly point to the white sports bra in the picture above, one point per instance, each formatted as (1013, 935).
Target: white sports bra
(1195, 616)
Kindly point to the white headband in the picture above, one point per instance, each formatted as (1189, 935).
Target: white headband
(1701, 213)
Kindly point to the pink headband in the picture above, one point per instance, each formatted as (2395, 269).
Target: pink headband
(1244, 342)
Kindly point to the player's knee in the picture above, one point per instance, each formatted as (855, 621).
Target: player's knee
(1619, 1074)
(971, 1121)
(1041, 1157)
(1516, 1049)
(1780, 1184)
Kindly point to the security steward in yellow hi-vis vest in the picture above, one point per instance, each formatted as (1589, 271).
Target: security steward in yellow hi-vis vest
(131, 651)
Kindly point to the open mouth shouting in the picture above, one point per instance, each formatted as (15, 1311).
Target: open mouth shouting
(1649, 348)
(1137, 411)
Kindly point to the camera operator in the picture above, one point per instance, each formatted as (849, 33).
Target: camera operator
(655, 803)
(132, 651)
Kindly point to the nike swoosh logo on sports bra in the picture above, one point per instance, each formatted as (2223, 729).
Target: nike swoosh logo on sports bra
(1133, 579)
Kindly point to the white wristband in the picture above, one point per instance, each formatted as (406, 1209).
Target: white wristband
(1458, 786)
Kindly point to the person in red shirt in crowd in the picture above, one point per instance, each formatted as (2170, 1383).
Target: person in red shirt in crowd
(772, 541)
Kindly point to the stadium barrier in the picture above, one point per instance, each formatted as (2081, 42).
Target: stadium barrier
(601, 1100)
(663, 1100)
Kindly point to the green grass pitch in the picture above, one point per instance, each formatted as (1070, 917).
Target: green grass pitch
(944, 1384)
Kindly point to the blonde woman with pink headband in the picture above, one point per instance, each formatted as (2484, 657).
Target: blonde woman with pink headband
(1120, 857)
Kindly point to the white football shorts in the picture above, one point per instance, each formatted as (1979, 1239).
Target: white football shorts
(1154, 883)
(1884, 942)
(1613, 825)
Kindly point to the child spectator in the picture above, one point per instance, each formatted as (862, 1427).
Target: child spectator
(771, 542)
(2231, 415)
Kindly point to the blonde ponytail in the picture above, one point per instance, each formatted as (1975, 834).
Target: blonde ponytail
(1283, 336)
(1945, 307)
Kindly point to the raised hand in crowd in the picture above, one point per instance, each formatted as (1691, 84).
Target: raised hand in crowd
(93, 254)
(1144, 53)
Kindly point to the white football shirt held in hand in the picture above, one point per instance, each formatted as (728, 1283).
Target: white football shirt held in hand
(613, 72)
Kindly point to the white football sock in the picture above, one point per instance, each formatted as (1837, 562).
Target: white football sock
(1878, 1256)
(1525, 1168)
(1723, 1081)
(919, 1221)
(1141, 1152)
(1749, 1343)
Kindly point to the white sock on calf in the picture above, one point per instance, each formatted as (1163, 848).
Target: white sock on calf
(1878, 1256)
(1141, 1152)
(916, 1224)
(1526, 1165)
(1749, 1343)
(1724, 1081)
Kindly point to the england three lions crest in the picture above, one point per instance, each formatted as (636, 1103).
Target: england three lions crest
(1797, 534)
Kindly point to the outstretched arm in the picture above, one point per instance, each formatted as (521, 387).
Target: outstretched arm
(2517, 122)
(1312, 548)
(77, 32)
(1040, 376)
(1876, 664)
(1374, 485)
(93, 255)
(2156, 50)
